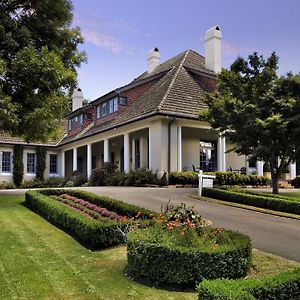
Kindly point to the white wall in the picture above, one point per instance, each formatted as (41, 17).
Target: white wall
(234, 161)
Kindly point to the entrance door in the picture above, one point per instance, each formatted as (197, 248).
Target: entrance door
(208, 162)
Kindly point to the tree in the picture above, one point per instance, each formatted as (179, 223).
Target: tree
(258, 111)
(38, 60)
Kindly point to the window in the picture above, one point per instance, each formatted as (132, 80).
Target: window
(110, 106)
(207, 156)
(53, 164)
(137, 154)
(31, 163)
(6, 162)
(75, 122)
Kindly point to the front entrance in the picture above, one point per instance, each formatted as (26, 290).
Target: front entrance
(208, 161)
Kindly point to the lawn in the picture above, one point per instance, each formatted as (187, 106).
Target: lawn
(295, 195)
(37, 260)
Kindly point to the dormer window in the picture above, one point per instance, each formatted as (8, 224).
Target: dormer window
(110, 106)
(75, 122)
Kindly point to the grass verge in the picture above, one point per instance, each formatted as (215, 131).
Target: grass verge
(36, 258)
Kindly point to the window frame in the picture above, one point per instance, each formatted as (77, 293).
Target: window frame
(9, 162)
(51, 155)
(29, 172)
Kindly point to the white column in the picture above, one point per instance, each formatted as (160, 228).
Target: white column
(293, 170)
(126, 153)
(133, 154)
(106, 150)
(260, 168)
(89, 160)
(221, 149)
(74, 159)
(223, 139)
(149, 149)
(179, 149)
(62, 164)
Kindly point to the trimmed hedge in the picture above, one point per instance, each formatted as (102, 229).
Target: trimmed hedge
(156, 262)
(296, 182)
(285, 285)
(222, 178)
(93, 234)
(279, 204)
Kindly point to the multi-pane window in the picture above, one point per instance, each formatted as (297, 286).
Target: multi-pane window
(6, 162)
(31, 163)
(137, 154)
(207, 156)
(53, 164)
(75, 122)
(110, 106)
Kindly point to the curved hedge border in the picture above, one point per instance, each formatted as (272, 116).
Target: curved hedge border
(93, 234)
(278, 204)
(285, 285)
(155, 263)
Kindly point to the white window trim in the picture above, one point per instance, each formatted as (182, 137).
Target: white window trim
(3, 173)
(34, 173)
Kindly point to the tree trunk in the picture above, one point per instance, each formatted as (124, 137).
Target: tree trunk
(275, 180)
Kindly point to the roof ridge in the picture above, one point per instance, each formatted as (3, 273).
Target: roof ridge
(172, 82)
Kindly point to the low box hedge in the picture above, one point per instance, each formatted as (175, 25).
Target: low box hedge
(222, 178)
(285, 285)
(93, 234)
(278, 204)
(184, 266)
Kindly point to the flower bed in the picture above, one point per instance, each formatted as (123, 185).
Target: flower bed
(181, 250)
(100, 231)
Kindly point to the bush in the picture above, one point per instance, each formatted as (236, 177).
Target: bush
(40, 162)
(18, 167)
(296, 182)
(285, 285)
(91, 233)
(279, 204)
(160, 256)
(222, 178)
(55, 182)
(183, 178)
(32, 183)
(5, 186)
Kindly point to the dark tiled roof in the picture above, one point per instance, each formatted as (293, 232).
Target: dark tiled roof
(177, 93)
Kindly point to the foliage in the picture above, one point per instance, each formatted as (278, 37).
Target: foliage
(140, 177)
(5, 185)
(222, 178)
(40, 162)
(50, 182)
(91, 233)
(264, 201)
(38, 60)
(169, 257)
(18, 167)
(259, 112)
(286, 285)
(296, 182)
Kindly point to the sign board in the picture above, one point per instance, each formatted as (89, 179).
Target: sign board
(207, 182)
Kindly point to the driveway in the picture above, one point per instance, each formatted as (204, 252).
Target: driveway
(277, 235)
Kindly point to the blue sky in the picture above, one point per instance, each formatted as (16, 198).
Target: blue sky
(118, 34)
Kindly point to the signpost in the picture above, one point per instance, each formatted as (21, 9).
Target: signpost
(205, 181)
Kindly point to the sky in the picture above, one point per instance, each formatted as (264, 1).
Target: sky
(118, 34)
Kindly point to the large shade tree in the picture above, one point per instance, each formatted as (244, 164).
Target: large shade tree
(38, 60)
(259, 111)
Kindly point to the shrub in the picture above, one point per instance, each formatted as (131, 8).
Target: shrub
(40, 162)
(183, 178)
(279, 204)
(18, 167)
(55, 182)
(32, 183)
(5, 186)
(296, 182)
(157, 255)
(285, 285)
(91, 233)
(79, 180)
(141, 177)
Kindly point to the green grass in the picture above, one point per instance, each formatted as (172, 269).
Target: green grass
(37, 260)
(294, 195)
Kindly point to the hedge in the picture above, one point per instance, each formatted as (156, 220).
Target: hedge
(93, 234)
(222, 178)
(278, 204)
(285, 285)
(181, 267)
(296, 182)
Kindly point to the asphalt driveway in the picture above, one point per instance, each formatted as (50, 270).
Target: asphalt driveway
(277, 235)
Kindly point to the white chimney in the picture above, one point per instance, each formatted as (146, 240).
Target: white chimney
(77, 99)
(153, 59)
(212, 49)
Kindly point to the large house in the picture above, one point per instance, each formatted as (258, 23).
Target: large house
(151, 122)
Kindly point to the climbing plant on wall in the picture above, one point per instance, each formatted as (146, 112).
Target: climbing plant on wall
(18, 167)
(40, 162)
